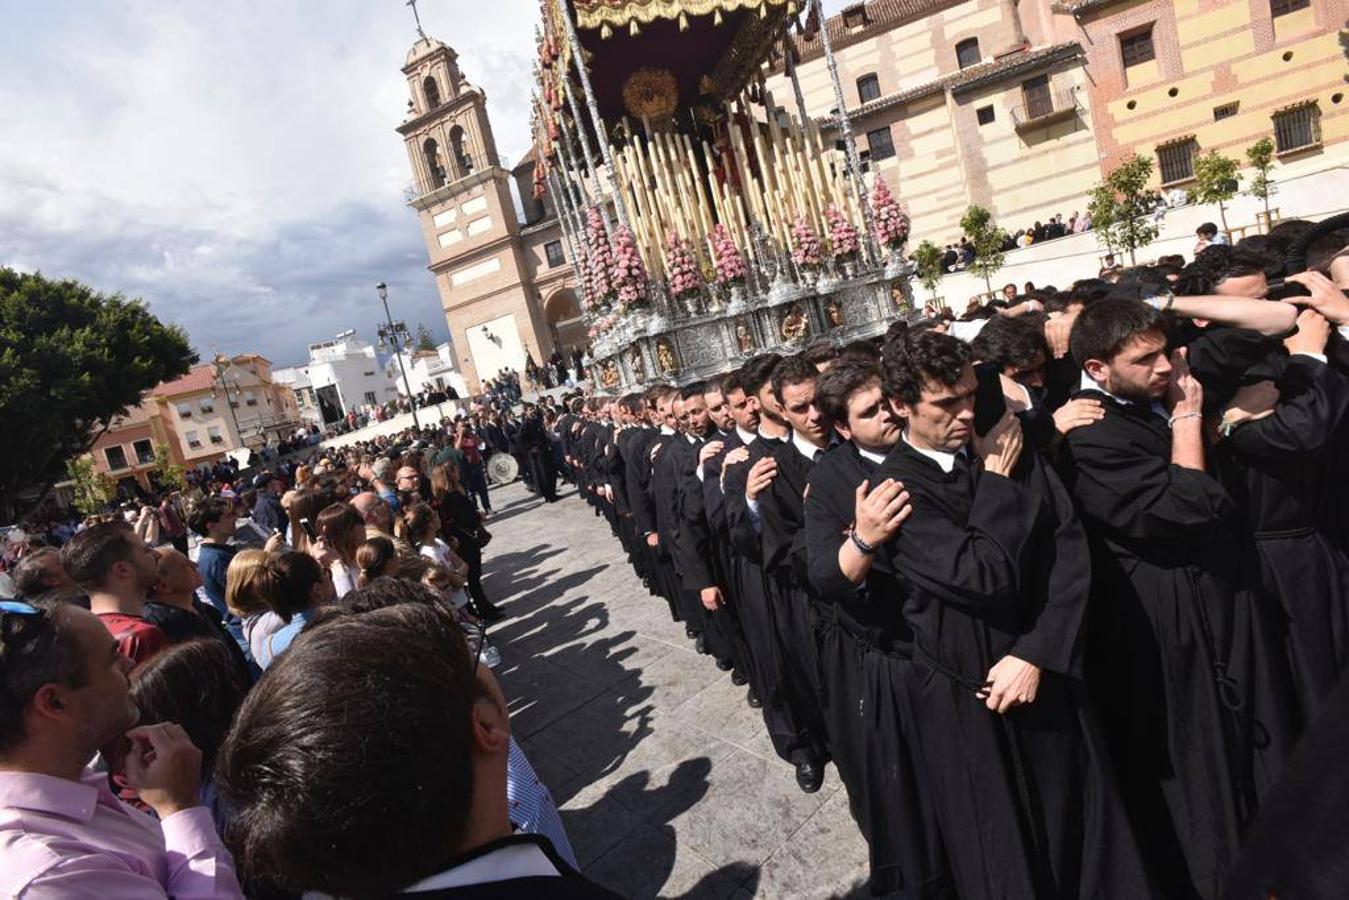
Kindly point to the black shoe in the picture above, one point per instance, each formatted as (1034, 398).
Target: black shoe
(725, 665)
(753, 700)
(738, 677)
(690, 632)
(699, 644)
(809, 774)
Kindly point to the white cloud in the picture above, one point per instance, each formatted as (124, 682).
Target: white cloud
(235, 164)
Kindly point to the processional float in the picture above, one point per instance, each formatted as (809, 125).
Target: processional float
(705, 222)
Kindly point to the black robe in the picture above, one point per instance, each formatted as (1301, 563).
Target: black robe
(1278, 469)
(866, 672)
(993, 567)
(791, 605)
(790, 735)
(1179, 667)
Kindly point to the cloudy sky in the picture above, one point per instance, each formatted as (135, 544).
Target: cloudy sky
(235, 163)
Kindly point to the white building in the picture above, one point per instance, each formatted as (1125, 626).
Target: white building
(428, 370)
(342, 375)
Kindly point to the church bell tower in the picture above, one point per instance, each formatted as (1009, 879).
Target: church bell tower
(461, 193)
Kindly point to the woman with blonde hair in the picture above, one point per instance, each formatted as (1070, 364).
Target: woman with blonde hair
(252, 585)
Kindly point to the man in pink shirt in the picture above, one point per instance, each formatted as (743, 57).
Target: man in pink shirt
(64, 694)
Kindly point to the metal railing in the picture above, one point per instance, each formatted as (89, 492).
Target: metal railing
(445, 177)
(1044, 108)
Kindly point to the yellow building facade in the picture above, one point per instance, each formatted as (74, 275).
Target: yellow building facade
(1022, 107)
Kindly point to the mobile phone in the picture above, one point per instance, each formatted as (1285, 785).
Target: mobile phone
(309, 530)
(1281, 290)
(989, 401)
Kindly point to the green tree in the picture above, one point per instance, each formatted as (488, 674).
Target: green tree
(1261, 157)
(71, 359)
(93, 489)
(927, 257)
(166, 473)
(987, 240)
(1215, 181)
(1121, 210)
(425, 342)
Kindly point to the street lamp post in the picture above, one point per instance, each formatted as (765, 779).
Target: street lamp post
(391, 332)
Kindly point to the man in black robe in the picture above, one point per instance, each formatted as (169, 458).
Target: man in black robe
(1175, 665)
(996, 575)
(792, 725)
(743, 411)
(783, 538)
(865, 645)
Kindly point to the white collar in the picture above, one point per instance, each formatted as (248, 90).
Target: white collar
(522, 860)
(805, 447)
(946, 460)
(1090, 384)
(872, 455)
(746, 437)
(666, 429)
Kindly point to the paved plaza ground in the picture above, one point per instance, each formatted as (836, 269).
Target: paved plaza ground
(665, 777)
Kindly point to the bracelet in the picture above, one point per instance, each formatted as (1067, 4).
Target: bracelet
(1161, 302)
(1171, 422)
(862, 546)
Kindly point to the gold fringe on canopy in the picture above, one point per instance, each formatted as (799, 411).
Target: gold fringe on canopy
(606, 15)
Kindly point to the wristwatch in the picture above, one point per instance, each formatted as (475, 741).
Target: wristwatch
(862, 546)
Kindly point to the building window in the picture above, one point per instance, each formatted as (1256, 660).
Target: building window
(1284, 7)
(984, 114)
(213, 432)
(1176, 161)
(1137, 47)
(432, 92)
(868, 87)
(1035, 93)
(855, 16)
(116, 457)
(1297, 128)
(370, 398)
(250, 399)
(206, 406)
(1226, 111)
(881, 144)
(967, 53)
(193, 439)
(553, 250)
(184, 410)
(145, 452)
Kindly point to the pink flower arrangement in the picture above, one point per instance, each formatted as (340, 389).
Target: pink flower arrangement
(842, 235)
(682, 267)
(629, 275)
(601, 257)
(730, 264)
(805, 244)
(892, 226)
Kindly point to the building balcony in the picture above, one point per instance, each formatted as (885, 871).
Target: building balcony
(1045, 110)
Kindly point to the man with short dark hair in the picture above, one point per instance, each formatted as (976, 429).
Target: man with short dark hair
(268, 513)
(450, 834)
(996, 572)
(1174, 642)
(117, 569)
(747, 472)
(214, 520)
(63, 832)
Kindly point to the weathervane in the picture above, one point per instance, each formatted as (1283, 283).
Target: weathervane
(417, 18)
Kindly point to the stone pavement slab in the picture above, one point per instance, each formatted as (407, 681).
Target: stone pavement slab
(666, 780)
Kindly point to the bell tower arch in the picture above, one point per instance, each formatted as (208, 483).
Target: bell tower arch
(461, 193)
